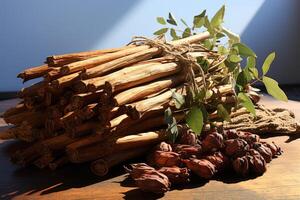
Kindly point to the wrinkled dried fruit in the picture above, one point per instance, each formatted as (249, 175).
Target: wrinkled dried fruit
(153, 181)
(230, 134)
(257, 163)
(136, 170)
(187, 151)
(176, 175)
(201, 167)
(241, 166)
(148, 179)
(236, 147)
(188, 137)
(264, 151)
(220, 161)
(163, 146)
(253, 152)
(212, 142)
(274, 148)
(166, 159)
(249, 137)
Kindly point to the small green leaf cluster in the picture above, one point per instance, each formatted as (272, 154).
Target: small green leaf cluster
(175, 33)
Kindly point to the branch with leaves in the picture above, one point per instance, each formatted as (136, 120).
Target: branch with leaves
(230, 54)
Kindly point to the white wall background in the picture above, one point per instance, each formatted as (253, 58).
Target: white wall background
(33, 29)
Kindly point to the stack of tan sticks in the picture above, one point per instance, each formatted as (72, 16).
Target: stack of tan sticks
(103, 104)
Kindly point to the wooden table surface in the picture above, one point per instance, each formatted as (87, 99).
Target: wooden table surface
(281, 181)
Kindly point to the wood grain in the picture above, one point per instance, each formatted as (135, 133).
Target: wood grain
(281, 181)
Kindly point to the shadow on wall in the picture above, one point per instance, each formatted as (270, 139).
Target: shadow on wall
(42, 28)
(275, 28)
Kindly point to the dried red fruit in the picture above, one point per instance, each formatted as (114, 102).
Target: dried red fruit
(166, 159)
(176, 175)
(187, 151)
(274, 148)
(148, 179)
(249, 137)
(236, 147)
(188, 137)
(264, 151)
(153, 181)
(257, 163)
(163, 146)
(201, 167)
(230, 134)
(220, 161)
(212, 142)
(253, 152)
(136, 170)
(241, 166)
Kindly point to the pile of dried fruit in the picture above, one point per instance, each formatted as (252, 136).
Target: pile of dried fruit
(214, 154)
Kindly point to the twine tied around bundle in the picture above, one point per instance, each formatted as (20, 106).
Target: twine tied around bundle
(179, 53)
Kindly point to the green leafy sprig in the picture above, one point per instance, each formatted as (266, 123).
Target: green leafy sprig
(231, 52)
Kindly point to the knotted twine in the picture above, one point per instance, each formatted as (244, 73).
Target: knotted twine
(179, 53)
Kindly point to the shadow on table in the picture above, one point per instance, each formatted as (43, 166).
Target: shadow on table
(134, 193)
(291, 137)
(228, 177)
(29, 180)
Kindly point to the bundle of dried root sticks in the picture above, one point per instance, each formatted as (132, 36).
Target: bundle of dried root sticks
(107, 106)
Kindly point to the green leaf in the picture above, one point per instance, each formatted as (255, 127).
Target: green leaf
(267, 63)
(220, 35)
(161, 31)
(168, 116)
(200, 95)
(186, 33)
(172, 20)
(235, 58)
(250, 69)
(174, 34)
(202, 14)
(207, 25)
(234, 38)
(251, 62)
(184, 22)
(217, 19)
(178, 99)
(199, 20)
(203, 63)
(204, 112)
(248, 74)
(195, 119)
(244, 50)
(242, 79)
(222, 50)
(161, 20)
(273, 89)
(172, 125)
(222, 112)
(208, 44)
(208, 94)
(246, 102)
(254, 71)
(230, 65)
